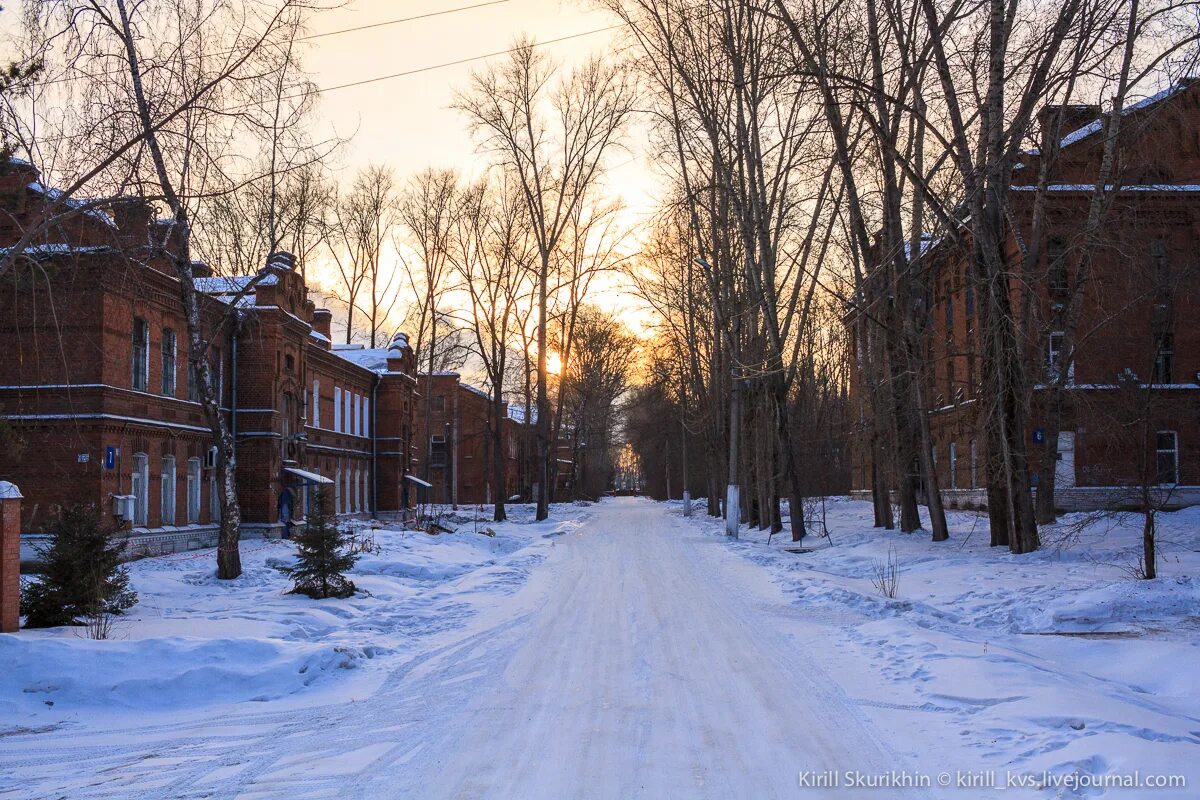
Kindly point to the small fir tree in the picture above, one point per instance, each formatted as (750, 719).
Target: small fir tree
(324, 555)
(83, 575)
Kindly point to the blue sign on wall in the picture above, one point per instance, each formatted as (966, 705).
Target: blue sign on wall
(1039, 435)
(110, 457)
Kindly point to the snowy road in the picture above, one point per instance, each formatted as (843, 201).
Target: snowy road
(641, 660)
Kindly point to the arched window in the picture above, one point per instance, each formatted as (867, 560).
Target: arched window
(139, 487)
(168, 490)
(193, 491)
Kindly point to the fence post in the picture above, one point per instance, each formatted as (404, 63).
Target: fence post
(10, 557)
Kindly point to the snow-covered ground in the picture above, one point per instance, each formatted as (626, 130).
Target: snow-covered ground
(1055, 666)
(193, 642)
(621, 650)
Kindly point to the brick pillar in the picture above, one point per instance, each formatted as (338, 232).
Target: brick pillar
(10, 557)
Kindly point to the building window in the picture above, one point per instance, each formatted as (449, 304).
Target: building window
(289, 363)
(139, 485)
(168, 362)
(1164, 357)
(1168, 458)
(439, 404)
(193, 492)
(348, 412)
(953, 467)
(437, 450)
(1162, 266)
(348, 489)
(1056, 259)
(337, 408)
(193, 383)
(285, 438)
(366, 415)
(141, 354)
(337, 488)
(217, 365)
(214, 499)
(1054, 359)
(362, 415)
(951, 380)
(168, 490)
(316, 404)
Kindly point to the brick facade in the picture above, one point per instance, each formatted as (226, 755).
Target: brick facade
(1138, 355)
(459, 461)
(94, 384)
(10, 557)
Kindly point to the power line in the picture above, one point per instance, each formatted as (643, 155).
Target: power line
(311, 37)
(398, 21)
(443, 65)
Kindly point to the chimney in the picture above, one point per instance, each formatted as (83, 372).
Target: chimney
(15, 176)
(133, 216)
(1073, 116)
(322, 323)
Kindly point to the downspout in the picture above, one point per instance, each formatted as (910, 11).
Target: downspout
(375, 446)
(233, 378)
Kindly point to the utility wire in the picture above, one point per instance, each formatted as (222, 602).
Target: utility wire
(430, 68)
(311, 37)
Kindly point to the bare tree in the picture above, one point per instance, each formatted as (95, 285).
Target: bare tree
(492, 255)
(191, 80)
(552, 136)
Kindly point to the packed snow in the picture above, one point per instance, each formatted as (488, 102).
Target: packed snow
(1059, 667)
(623, 650)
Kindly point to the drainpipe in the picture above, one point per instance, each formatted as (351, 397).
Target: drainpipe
(375, 446)
(233, 378)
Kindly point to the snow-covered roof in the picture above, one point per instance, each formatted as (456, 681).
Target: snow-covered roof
(233, 284)
(1097, 125)
(56, 194)
(9, 491)
(56, 249)
(476, 390)
(374, 359)
(1134, 187)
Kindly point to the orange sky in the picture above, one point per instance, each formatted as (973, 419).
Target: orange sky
(407, 122)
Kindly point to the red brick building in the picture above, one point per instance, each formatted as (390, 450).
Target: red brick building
(1132, 397)
(96, 392)
(458, 463)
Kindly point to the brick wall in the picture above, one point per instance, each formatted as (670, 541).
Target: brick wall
(10, 557)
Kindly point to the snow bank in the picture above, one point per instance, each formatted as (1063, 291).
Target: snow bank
(194, 641)
(1057, 663)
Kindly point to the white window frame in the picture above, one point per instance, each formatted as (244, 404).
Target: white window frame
(337, 408)
(1174, 451)
(348, 412)
(366, 416)
(144, 372)
(139, 484)
(337, 488)
(167, 490)
(170, 370)
(316, 404)
(214, 499)
(193, 490)
(1054, 358)
(953, 467)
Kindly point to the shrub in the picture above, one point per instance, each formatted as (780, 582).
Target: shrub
(82, 577)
